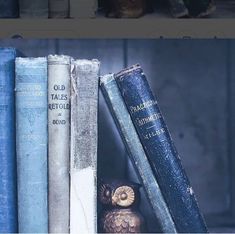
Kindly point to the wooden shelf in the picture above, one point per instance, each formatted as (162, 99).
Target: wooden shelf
(159, 24)
(118, 28)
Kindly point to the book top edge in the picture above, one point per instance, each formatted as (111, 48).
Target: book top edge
(59, 59)
(31, 60)
(128, 70)
(86, 62)
(8, 49)
(106, 78)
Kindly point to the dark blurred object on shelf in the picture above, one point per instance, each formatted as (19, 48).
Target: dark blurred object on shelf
(150, 4)
(120, 201)
(200, 8)
(126, 8)
(178, 8)
(137, 8)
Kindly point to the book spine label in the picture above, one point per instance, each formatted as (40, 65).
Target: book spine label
(59, 142)
(160, 150)
(136, 152)
(84, 105)
(33, 9)
(9, 9)
(83, 8)
(58, 8)
(8, 191)
(31, 144)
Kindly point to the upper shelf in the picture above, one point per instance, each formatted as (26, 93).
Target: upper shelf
(118, 28)
(221, 24)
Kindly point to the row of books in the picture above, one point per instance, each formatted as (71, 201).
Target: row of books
(48, 146)
(48, 8)
(178, 8)
(88, 8)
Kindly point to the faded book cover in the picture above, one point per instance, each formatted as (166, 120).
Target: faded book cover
(33, 9)
(84, 140)
(136, 153)
(31, 144)
(59, 142)
(58, 8)
(160, 150)
(83, 8)
(8, 189)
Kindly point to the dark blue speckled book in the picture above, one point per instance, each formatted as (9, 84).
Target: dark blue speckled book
(160, 150)
(9, 9)
(8, 193)
(136, 152)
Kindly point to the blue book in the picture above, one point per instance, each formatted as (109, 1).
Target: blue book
(9, 9)
(136, 152)
(8, 191)
(31, 144)
(160, 150)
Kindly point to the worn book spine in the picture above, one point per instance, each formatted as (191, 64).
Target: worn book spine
(33, 9)
(9, 9)
(136, 152)
(31, 144)
(178, 8)
(59, 142)
(58, 8)
(160, 150)
(84, 105)
(83, 8)
(8, 191)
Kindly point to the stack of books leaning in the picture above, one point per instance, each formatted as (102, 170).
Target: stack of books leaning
(48, 145)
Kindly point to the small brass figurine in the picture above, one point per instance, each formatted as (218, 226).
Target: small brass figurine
(125, 8)
(120, 208)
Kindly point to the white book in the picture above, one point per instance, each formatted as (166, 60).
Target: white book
(84, 140)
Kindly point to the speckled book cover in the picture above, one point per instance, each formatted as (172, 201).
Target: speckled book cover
(136, 152)
(160, 150)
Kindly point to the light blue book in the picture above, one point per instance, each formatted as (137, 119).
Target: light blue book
(31, 144)
(136, 152)
(8, 201)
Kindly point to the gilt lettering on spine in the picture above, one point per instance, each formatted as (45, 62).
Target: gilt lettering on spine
(160, 150)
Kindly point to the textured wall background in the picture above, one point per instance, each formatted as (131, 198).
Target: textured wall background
(195, 86)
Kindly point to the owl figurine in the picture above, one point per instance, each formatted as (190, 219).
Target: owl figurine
(120, 200)
(125, 8)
